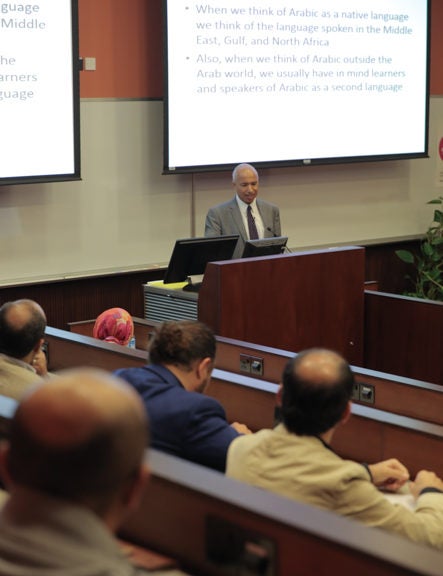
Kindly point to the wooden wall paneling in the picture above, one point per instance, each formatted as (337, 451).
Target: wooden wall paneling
(404, 336)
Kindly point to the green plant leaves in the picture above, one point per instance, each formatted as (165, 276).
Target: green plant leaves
(428, 281)
(406, 256)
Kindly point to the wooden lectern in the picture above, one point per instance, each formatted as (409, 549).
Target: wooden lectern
(290, 301)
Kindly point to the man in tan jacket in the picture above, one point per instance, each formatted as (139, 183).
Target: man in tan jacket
(295, 459)
(22, 362)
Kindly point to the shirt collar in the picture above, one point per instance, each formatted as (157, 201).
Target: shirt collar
(243, 206)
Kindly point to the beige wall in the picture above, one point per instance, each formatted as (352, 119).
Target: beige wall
(125, 214)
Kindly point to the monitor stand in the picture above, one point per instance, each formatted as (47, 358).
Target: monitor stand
(194, 283)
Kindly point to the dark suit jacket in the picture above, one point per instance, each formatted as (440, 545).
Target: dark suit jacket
(186, 424)
(226, 219)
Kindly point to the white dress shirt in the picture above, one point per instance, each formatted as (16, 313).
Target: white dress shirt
(255, 214)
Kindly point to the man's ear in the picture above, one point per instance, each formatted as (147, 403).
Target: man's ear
(137, 486)
(347, 413)
(4, 464)
(38, 346)
(204, 367)
(280, 395)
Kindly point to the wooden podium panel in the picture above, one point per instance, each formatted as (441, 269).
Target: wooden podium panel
(291, 301)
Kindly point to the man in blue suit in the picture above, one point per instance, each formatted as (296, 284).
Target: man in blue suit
(232, 217)
(183, 421)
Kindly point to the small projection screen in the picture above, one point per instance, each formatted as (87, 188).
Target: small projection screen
(39, 91)
(291, 82)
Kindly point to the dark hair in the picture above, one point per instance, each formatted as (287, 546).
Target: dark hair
(181, 343)
(311, 407)
(19, 341)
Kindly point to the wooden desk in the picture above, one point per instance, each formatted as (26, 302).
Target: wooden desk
(392, 393)
(299, 539)
(369, 435)
(404, 336)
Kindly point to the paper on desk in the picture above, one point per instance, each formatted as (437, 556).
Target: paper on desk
(402, 497)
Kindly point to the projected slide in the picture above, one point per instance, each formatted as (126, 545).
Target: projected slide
(38, 91)
(295, 81)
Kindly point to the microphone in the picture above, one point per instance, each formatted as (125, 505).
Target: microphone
(285, 248)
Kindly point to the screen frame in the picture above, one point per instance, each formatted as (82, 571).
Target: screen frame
(296, 162)
(77, 66)
(190, 255)
(265, 247)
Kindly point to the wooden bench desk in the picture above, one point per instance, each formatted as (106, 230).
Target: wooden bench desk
(392, 393)
(370, 435)
(201, 519)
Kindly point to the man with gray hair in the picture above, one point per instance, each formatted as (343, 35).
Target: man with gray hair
(245, 214)
(22, 361)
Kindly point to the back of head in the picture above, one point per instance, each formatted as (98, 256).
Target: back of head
(317, 386)
(114, 325)
(22, 326)
(181, 343)
(79, 436)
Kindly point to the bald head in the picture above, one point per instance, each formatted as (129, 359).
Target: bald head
(79, 436)
(317, 386)
(22, 326)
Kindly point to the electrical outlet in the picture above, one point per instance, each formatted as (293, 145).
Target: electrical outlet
(256, 366)
(356, 391)
(367, 393)
(245, 363)
(236, 551)
(251, 364)
(89, 63)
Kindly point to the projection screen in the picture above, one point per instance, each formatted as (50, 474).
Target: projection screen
(291, 82)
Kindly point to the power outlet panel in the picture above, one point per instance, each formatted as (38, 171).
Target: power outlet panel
(367, 393)
(236, 551)
(251, 364)
(363, 392)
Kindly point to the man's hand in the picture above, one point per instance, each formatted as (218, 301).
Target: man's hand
(241, 428)
(39, 363)
(389, 474)
(425, 479)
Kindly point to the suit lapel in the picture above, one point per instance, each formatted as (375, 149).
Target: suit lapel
(266, 217)
(236, 216)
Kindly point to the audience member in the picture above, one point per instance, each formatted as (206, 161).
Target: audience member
(232, 216)
(296, 460)
(22, 361)
(184, 422)
(74, 469)
(114, 325)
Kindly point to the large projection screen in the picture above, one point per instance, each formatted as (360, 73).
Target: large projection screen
(39, 91)
(291, 82)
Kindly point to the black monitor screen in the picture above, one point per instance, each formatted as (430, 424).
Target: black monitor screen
(264, 246)
(190, 256)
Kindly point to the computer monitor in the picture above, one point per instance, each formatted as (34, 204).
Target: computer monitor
(264, 246)
(190, 256)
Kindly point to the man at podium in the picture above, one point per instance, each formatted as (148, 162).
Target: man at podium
(245, 215)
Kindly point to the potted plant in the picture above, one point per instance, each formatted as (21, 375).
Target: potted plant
(428, 262)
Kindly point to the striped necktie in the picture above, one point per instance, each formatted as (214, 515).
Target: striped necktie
(253, 234)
